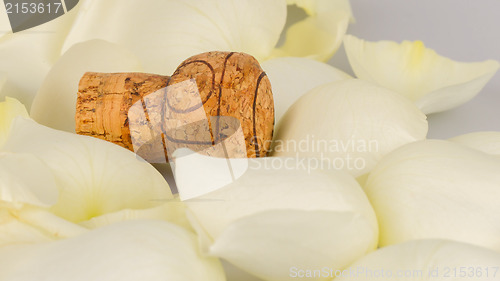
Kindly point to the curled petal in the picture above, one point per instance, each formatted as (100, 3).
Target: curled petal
(29, 224)
(172, 211)
(14, 231)
(437, 189)
(94, 177)
(319, 35)
(55, 103)
(149, 250)
(425, 260)
(293, 77)
(348, 125)
(27, 56)
(273, 217)
(487, 142)
(163, 33)
(9, 109)
(433, 82)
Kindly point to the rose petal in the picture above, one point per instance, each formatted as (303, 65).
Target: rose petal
(320, 34)
(4, 22)
(3, 79)
(437, 189)
(136, 250)
(487, 142)
(29, 224)
(276, 216)
(293, 77)
(285, 238)
(94, 177)
(13, 231)
(9, 109)
(24, 179)
(173, 211)
(55, 103)
(434, 82)
(163, 33)
(27, 56)
(425, 260)
(348, 125)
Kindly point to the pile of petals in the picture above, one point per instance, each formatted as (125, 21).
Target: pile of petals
(352, 190)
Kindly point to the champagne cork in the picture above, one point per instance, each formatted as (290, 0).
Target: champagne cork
(229, 84)
(104, 100)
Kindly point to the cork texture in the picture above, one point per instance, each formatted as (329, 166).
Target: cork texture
(226, 84)
(104, 100)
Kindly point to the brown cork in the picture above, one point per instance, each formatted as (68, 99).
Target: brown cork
(229, 84)
(104, 100)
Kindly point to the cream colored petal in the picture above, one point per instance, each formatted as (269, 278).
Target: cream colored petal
(24, 179)
(135, 250)
(29, 224)
(94, 177)
(27, 56)
(164, 33)
(9, 109)
(348, 125)
(319, 35)
(13, 231)
(293, 77)
(3, 79)
(279, 214)
(437, 260)
(270, 244)
(437, 189)
(55, 103)
(435, 83)
(487, 142)
(172, 211)
(4, 22)
(48, 223)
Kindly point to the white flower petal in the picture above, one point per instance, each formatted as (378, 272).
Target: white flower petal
(273, 218)
(337, 241)
(437, 189)
(46, 221)
(348, 125)
(293, 77)
(55, 103)
(28, 224)
(434, 82)
(3, 79)
(487, 142)
(320, 34)
(9, 109)
(14, 231)
(137, 250)
(28, 55)
(163, 33)
(4, 22)
(24, 179)
(437, 260)
(94, 177)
